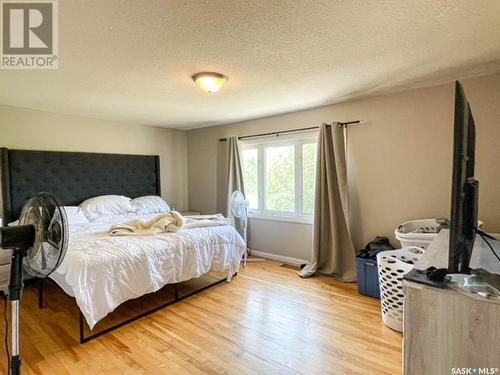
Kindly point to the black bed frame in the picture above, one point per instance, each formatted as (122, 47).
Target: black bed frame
(73, 177)
(81, 319)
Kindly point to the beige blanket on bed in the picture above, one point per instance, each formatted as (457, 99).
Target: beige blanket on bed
(168, 222)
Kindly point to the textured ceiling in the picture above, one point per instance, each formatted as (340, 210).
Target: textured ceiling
(131, 61)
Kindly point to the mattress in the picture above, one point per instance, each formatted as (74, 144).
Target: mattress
(101, 272)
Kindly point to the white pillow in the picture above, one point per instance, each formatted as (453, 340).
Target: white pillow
(149, 204)
(13, 223)
(75, 215)
(106, 206)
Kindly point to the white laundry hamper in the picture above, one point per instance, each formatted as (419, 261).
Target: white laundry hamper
(419, 233)
(392, 265)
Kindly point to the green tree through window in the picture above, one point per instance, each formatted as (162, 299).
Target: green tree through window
(309, 173)
(251, 176)
(279, 177)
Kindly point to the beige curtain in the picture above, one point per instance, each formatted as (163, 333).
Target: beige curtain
(235, 171)
(333, 250)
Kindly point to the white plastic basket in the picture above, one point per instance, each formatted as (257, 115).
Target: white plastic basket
(419, 233)
(392, 265)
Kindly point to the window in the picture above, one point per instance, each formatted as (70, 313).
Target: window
(251, 176)
(279, 177)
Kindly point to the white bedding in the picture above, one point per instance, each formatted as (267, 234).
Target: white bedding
(102, 271)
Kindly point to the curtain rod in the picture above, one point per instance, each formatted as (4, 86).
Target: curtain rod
(340, 124)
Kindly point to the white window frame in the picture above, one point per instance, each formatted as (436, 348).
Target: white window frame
(264, 214)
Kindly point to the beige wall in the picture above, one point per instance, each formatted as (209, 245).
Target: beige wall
(37, 130)
(399, 162)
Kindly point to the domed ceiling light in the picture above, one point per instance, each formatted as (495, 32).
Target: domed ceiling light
(209, 82)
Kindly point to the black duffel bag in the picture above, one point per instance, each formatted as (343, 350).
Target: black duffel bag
(375, 246)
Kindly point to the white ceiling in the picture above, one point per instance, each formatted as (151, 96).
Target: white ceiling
(132, 61)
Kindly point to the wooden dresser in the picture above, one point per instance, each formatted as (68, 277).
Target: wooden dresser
(447, 330)
(4, 270)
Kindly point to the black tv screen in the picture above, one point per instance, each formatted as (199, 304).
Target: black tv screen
(464, 192)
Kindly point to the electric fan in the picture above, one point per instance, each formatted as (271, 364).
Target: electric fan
(239, 213)
(39, 244)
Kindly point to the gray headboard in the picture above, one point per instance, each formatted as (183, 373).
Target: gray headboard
(73, 177)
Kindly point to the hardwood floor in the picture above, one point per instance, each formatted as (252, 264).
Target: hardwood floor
(266, 321)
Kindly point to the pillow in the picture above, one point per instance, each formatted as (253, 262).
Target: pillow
(149, 204)
(75, 215)
(106, 206)
(13, 223)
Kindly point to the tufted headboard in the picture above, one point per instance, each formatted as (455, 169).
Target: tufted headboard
(73, 177)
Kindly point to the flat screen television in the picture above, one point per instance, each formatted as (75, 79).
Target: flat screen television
(465, 189)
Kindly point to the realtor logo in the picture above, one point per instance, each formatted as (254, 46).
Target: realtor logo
(29, 34)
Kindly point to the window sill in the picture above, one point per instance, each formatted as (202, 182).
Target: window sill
(290, 219)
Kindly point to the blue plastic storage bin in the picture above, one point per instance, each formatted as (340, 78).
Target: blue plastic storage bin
(368, 277)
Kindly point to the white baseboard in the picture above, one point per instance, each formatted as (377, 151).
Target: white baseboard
(279, 258)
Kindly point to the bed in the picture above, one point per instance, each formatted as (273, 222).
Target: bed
(100, 271)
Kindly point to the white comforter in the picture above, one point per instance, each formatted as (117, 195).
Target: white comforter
(102, 271)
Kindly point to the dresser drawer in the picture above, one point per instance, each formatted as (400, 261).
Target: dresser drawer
(4, 277)
(5, 256)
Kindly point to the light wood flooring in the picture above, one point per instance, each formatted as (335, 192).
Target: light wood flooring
(266, 321)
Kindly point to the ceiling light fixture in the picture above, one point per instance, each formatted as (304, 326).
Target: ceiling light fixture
(209, 82)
